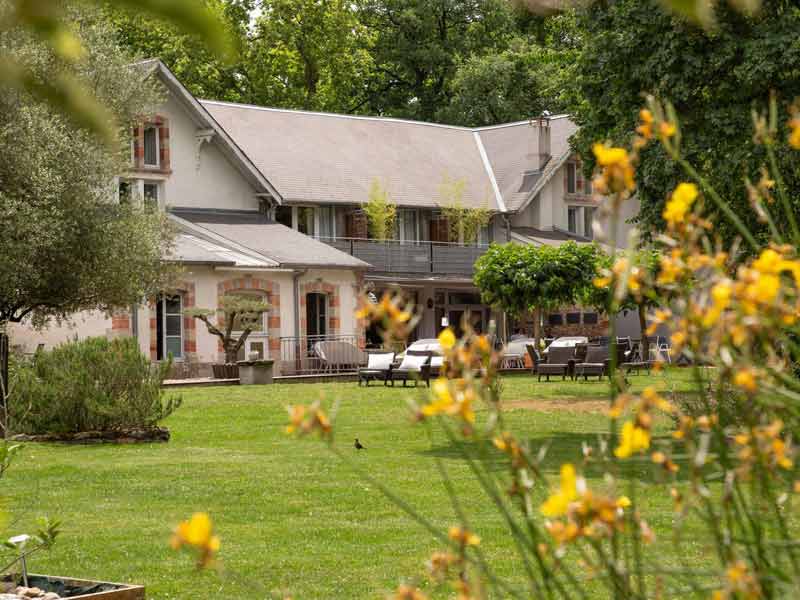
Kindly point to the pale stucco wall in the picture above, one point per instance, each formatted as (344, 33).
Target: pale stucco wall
(82, 325)
(216, 184)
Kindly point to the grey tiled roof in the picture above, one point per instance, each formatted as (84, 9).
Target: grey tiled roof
(249, 234)
(328, 158)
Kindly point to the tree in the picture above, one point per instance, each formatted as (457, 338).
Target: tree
(600, 294)
(66, 246)
(310, 55)
(465, 223)
(240, 313)
(520, 278)
(204, 72)
(51, 23)
(714, 78)
(417, 48)
(380, 211)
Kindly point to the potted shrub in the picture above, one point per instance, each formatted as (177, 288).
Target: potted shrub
(235, 313)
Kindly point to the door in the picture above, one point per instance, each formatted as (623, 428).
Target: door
(316, 314)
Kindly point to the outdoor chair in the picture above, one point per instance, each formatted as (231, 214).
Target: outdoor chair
(559, 361)
(379, 367)
(433, 368)
(596, 362)
(411, 368)
(534, 356)
(337, 356)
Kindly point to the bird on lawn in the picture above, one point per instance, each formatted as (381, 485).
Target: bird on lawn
(358, 445)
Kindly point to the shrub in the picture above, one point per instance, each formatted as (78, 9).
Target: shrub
(87, 385)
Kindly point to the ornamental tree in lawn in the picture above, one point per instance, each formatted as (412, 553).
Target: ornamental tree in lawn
(519, 278)
(237, 318)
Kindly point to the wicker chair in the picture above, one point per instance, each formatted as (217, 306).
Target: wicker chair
(559, 362)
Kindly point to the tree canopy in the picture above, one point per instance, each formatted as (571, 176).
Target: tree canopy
(714, 77)
(66, 246)
(519, 278)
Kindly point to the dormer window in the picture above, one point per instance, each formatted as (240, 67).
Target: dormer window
(151, 145)
(150, 139)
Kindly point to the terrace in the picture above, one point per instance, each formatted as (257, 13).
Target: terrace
(400, 256)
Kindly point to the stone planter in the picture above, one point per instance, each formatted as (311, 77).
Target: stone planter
(255, 372)
(226, 371)
(51, 587)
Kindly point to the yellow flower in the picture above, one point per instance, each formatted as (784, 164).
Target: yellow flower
(601, 282)
(679, 204)
(633, 439)
(746, 379)
(646, 127)
(447, 339)
(462, 536)
(558, 503)
(197, 532)
(721, 297)
(794, 136)
(667, 130)
(623, 502)
(616, 169)
(296, 415)
(442, 398)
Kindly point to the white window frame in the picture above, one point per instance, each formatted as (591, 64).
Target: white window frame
(403, 212)
(587, 227)
(318, 221)
(164, 314)
(578, 215)
(157, 164)
(574, 167)
(159, 187)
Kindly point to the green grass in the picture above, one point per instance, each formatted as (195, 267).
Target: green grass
(290, 515)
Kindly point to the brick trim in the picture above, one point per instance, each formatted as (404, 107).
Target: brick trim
(334, 304)
(187, 291)
(162, 125)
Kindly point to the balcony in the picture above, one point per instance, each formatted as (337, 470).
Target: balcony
(395, 256)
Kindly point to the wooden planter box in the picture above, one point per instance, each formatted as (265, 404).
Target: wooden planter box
(226, 371)
(92, 590)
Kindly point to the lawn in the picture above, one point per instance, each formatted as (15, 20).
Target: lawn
(291, 515)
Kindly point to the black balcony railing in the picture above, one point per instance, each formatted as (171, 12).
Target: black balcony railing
(395, 256)
(321, 354)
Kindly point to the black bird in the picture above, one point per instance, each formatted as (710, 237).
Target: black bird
(358, 445)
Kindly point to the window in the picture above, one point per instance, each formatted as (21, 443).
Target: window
(124, 191)
(169, 327)
(588, 219)
(305, 220)
(573, 318)
(590, 318)
(283, 215)
(407, 225)
(555, 319)
(151, 146)
(316, 314)
(326, 222)
(572, 219)
(464, 298)
(483, 236)
(572, 177)
(150, 193)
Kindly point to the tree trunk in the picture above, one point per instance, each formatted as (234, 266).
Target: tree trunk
(643, 329)
(537, 327)
(3, 381)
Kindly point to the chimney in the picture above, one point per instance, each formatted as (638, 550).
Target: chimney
(543, 129)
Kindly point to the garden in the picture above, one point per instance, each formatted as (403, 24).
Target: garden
(292, 517)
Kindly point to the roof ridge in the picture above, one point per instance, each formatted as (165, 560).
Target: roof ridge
(245, 105)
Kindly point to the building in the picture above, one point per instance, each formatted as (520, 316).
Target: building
(269, 202)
